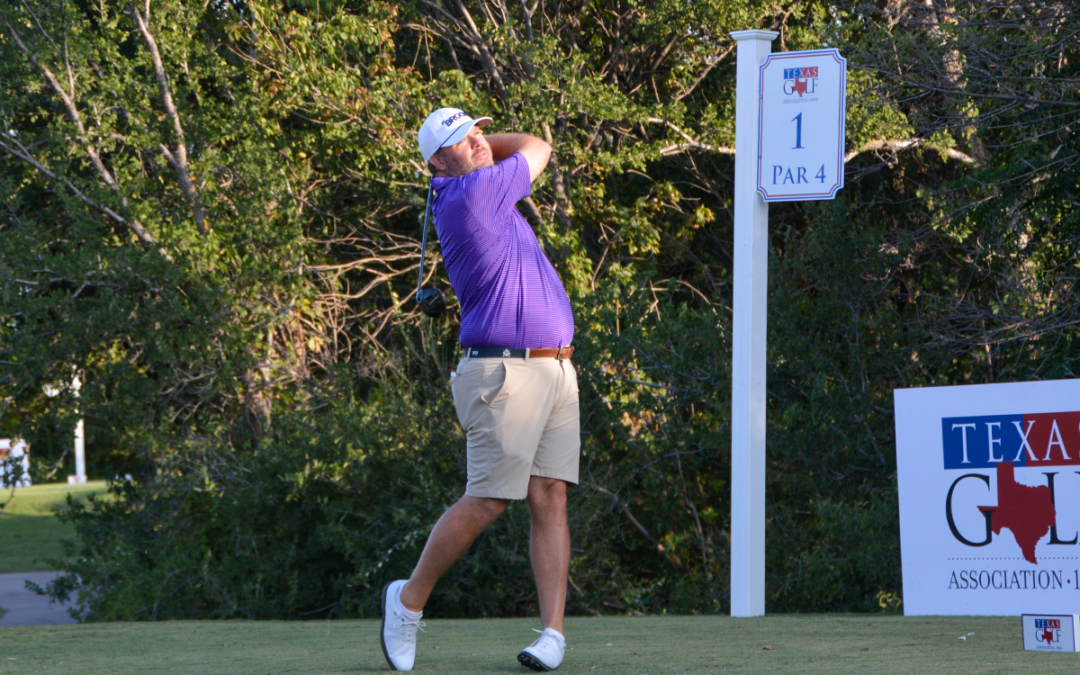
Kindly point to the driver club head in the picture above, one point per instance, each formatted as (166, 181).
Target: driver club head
(431, 302)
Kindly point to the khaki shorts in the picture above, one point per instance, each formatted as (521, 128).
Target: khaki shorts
(521, 419)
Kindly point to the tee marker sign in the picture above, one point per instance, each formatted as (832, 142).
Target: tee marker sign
(1051, 632)
(789, 146)
(801, 125)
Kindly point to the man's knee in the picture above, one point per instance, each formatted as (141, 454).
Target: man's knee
(485, 509)
(546, 493)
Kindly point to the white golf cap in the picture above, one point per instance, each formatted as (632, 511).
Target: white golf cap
(445, 126)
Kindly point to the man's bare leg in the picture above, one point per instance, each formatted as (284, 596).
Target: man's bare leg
(549, 545)
(456, 530)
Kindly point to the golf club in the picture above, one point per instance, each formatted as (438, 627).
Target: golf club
(431, 300)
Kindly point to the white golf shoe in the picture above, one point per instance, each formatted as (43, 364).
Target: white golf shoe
(398, 630)
(546, 653)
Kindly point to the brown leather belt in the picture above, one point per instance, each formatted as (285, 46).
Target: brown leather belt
(559, 353)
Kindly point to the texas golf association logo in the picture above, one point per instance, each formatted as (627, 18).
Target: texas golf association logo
(1048, 631)
(801, 81)
(988, 453)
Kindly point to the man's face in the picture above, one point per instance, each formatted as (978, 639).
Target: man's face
(465, 157)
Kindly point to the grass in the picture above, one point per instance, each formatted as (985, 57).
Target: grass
(825, 644)
(30, 532)
(811, 644)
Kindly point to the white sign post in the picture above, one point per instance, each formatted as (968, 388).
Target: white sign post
(764, 123)
(748, 339)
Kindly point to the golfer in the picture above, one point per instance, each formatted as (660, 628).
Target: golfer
(515, 390)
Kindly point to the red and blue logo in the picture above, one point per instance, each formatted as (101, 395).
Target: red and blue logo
(800, 81)
(1005, 443)
(1048, 630)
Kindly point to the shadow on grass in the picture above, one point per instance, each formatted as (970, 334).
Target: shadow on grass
(30, 532)
(29, 541)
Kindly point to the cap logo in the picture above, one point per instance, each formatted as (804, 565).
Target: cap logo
(453, 118)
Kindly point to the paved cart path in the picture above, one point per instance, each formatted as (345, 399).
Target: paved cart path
(25, 608)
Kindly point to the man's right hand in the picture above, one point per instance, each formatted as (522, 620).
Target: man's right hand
(536, 151)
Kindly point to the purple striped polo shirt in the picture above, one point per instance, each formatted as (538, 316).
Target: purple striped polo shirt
(509, 292)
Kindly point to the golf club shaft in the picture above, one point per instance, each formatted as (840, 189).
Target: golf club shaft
(423, 240)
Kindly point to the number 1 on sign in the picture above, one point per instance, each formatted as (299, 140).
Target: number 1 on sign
(798, 131)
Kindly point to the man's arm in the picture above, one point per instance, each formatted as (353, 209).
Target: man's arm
(535, 150)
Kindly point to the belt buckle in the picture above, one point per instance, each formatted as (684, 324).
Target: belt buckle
(558, 354)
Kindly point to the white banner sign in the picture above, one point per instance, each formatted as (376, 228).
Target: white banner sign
(989, 479)
(801, 125)
(14, 463)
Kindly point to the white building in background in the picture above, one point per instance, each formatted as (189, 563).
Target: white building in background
(14, 463)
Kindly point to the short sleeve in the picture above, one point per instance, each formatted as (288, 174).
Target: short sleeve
(491, 192)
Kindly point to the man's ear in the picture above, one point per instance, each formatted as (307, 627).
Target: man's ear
(436, 163)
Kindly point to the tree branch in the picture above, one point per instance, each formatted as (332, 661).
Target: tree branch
(177, 158)
(485, 54)
(21, 153)
(73, 114)
(690, 142)
(897, 146)
(712, 63)
(557, 183)
(637, 524)
(69, 105)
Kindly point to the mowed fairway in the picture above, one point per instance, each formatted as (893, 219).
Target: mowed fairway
(799, 644)
(30, 532)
